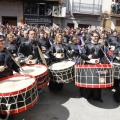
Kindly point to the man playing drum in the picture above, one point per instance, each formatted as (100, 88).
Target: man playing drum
(7, 65)
(90, 52)
(29, 48)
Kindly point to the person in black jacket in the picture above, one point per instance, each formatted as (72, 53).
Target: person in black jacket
(58, 52)
(10, 44)
(30, 47)
(7, 65)
(92, 50)
(113, 39)
(74, 49)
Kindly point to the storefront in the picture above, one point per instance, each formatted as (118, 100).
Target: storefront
(38, 13)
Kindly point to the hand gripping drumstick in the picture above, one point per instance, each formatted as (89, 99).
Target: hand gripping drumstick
(14, 59)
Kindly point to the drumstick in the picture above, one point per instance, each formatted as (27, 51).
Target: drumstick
(14, 59)
(41, 55)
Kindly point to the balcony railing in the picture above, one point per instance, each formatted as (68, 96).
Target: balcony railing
(82, 8)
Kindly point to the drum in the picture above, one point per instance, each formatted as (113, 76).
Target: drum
(116, 70)
(40, 72)
(17, 93)
(94, 75)
(62, 72)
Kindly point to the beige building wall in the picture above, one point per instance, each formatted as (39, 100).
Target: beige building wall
(14, 9)
(106, 6)
(109, 21)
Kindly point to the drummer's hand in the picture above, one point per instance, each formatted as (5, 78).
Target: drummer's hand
(90, 56)
(2, 68)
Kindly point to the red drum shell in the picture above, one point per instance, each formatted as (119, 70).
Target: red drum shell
(19, 100)
(42, 78)
(94, 75)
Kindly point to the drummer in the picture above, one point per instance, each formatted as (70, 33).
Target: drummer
(29, 49)
(6, 64)
(91, 51)
(58, 52)
(74, 49)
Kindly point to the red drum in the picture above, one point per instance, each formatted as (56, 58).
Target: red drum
(116, 70)
(94, 76)
(63, 72)
(40, 72)
(17, 93)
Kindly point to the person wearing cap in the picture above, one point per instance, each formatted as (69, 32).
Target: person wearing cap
(91, 52)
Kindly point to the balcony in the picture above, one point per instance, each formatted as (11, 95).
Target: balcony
(115, 11)
(82, 8)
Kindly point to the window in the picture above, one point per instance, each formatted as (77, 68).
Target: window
(31, 8)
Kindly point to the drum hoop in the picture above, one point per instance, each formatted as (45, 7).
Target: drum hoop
(37, 76)
(60, 69)
(21, 109)
(116, 64)
(7, 94)
(94, 66)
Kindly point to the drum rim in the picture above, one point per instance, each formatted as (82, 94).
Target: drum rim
(7, 94)
(38, 65)
(62, 68)
(94, 66)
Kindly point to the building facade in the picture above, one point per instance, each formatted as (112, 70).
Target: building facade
(11, 12)
(77, 13)
(83, 13)
(111, 19)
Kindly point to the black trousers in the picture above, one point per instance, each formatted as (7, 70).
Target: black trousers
(88, 93)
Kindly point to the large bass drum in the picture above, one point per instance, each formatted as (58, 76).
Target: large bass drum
(62, 72)
(17, 93)
(94, 75)
(40, 72)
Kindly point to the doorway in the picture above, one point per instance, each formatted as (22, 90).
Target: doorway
(83, 25)
(9, 20)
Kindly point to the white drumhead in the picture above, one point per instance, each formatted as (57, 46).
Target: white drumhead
(15, 83)
(34, 70)
(61, 65)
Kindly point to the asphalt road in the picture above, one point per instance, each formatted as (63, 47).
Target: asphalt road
(68, 105)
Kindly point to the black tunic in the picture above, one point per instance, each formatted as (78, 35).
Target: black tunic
(30, 48)
(58, 48)
(96, 52)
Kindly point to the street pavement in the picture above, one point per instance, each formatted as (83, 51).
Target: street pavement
(68, 105)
